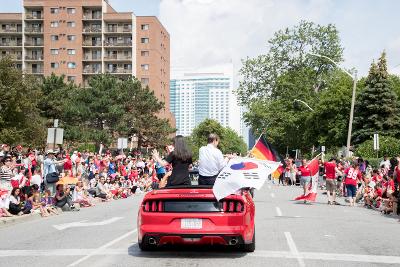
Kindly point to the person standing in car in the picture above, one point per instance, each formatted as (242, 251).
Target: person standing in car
(211, 161)
(180, 159)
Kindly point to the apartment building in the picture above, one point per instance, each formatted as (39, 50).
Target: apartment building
(198, 95)
(81, 38)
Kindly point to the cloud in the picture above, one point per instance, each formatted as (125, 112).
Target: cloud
(211, 32)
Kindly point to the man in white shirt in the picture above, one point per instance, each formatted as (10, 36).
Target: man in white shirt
(211, 161)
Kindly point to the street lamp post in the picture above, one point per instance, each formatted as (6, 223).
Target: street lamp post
(353, 98)
(304, 103)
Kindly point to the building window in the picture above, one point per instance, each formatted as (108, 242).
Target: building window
(71, 65)
(71, 24)
(145, 66)
(54, 51)
(71, 10)
(54, 65)
(54, 10)
(71, 37)
(145, 40)
(71, 51)
(145, 27)
(145, 81)
(54, 38)
(54, 24)
(144, 53)
(71, 78)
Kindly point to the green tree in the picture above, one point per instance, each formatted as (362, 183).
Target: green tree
(272, 82)
(230, 142)
(377, 109)
(20, 120)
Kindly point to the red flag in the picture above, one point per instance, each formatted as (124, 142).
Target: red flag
(313, 166)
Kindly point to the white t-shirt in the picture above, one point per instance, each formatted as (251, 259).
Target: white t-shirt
(36, 179)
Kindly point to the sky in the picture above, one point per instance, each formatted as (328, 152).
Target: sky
(207, 33)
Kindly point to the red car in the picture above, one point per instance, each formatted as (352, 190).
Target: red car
(192, 215)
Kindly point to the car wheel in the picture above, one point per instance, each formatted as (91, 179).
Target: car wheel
(252, 246)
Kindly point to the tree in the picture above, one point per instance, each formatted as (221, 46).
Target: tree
(288, 51)
(230, 142)
(20, 120)
(272, 82)
(376, 110)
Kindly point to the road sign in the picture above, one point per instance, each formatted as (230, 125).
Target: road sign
(376, 141)
(55, 136)
(122, 143)
(322, 148)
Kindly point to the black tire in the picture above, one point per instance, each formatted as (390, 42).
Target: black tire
(252, 246)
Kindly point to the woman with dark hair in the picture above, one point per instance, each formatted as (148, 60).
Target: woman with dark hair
(180, 159)
(16, 204)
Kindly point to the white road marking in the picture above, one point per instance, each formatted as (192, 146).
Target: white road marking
(293, 249)
(85, 223)
(278, 211)
(380, 259)
(103, 248)
(272, 195)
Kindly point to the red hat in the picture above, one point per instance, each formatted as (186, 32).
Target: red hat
(19, 147)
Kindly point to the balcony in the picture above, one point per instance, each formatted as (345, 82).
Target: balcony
(90, 70)
(34, 58)
(117, 30)
(91, 30)
(116, 58)
(119, 71)
(33, 17)
(34, 43)
(13, 57)
(35, 71)
(33, 30)
(11, 44)
(106, 43)
(90, 16)
(91, 58)
(11, 31)
(91, 43)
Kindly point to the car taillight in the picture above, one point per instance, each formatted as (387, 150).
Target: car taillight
(232, 206)
(153, 206)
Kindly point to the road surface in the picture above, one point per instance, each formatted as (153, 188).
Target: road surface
(288, 234)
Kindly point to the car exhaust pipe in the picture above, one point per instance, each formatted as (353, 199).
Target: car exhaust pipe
(233, 241)
(152, 241)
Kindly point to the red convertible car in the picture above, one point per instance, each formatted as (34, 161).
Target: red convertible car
(192, 215)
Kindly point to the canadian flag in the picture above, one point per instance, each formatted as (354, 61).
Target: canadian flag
(313, 166)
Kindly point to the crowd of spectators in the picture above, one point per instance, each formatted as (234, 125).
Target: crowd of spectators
(374, 187)
(48, 182)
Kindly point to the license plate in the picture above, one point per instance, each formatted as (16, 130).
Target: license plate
(191, 223)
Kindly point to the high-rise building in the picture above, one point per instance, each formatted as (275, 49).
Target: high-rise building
(82, 38)
(196, 96)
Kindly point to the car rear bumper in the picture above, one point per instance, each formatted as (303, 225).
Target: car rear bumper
(162, 239)
(216, 228)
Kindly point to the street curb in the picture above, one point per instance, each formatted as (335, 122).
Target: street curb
(7, 221)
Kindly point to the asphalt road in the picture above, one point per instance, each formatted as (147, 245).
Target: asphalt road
(288, 234)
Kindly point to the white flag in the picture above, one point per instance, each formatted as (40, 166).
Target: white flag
(243, 172)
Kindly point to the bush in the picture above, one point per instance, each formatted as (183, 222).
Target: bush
(389, 146)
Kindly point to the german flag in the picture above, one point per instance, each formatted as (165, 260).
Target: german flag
(265, 151)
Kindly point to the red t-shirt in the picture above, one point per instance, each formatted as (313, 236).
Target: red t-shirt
(379, 192)
(304, 171)
(330, 170)
(352, 176)
(397, 170)
(68, 165)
